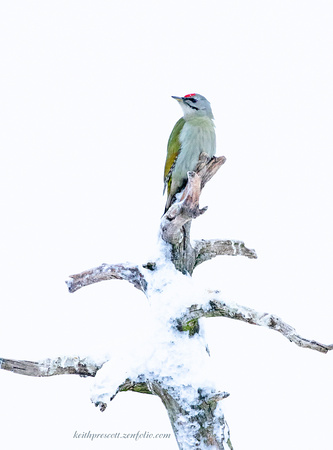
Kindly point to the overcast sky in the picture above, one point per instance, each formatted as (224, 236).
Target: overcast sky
(86, 111)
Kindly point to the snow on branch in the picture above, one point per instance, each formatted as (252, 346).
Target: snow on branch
(154, 387)
(108, 272)
(208, 249)
(49, 367)
(217, 308)
(205, 411)
(140, 385)
(196, 422)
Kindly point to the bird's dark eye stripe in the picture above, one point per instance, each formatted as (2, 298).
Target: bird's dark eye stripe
(194, 100)
(193, 107)
(189, 104)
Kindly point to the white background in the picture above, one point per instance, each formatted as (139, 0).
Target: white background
(86, 111)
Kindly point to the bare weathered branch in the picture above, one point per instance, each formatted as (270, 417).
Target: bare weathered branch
(183, 211)
(187, 208)
(108, 272)
(49, 367)
(208, 249)
(207, 167)
(218, 308)
(176, 222)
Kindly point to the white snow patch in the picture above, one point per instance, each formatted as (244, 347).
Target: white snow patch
(233, 247)
(160, 352)
(179, 361)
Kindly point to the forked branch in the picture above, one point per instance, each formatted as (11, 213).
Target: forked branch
(176, 222)
(187, 208)
(175, 230)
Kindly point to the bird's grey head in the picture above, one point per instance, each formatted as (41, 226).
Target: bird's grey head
(195, 104)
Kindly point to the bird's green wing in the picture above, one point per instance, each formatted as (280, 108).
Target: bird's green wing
(173, 151)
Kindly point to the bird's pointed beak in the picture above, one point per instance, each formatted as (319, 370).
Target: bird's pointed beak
(179, 99)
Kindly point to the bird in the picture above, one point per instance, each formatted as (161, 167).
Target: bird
(192, 134)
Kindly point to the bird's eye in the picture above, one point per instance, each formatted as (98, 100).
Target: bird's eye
(193, 100)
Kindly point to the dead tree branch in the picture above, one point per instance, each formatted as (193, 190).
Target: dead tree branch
(207, 167)
(208, 249)
(187, 208)
(108, 272)
(176, 222)
(183, 211)
(195, 416)
(49, 367)
(217, 308)
(182, 415)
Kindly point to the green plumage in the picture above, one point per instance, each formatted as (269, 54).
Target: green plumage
(172, 151)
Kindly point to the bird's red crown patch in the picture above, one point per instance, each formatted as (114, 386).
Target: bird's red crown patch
(189, 95)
